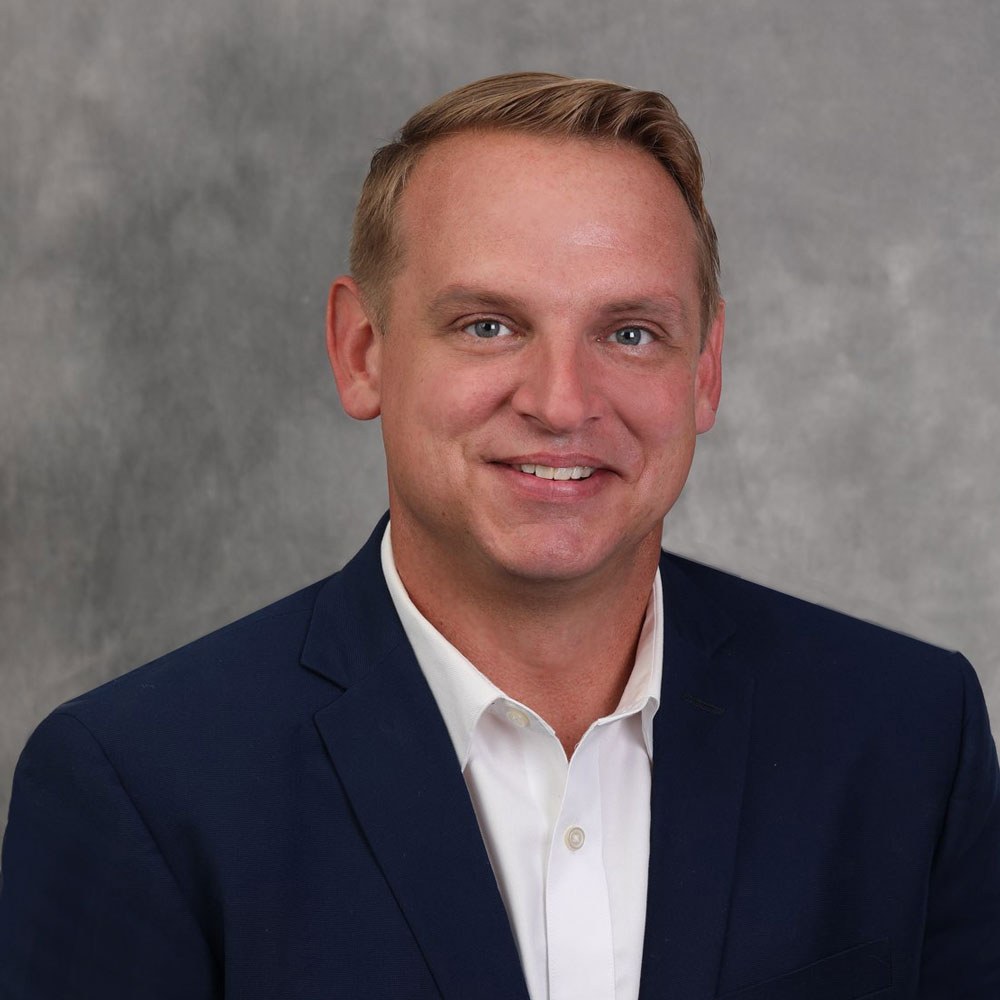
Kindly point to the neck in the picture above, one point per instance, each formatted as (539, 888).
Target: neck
(563, 648)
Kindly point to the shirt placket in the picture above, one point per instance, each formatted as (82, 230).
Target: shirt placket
(577, 905)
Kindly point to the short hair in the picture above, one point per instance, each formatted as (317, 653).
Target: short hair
(543, 104)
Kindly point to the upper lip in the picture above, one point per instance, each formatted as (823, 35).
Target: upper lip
(562, 461)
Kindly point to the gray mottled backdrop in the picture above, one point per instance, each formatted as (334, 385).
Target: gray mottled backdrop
(176, 184)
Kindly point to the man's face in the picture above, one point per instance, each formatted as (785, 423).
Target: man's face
(544, 327)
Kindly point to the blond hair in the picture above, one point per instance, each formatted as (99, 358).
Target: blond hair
(543, 104)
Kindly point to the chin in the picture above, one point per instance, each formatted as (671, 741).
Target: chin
(553, 559)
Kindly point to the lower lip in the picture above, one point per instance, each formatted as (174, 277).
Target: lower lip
(554, 490)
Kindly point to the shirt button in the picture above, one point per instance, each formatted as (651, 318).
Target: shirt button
(517, 717)
(574, 838)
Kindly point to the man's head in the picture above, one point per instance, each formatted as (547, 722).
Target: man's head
(541, 360)
(540, 104)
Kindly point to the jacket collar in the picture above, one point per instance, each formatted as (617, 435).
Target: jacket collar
(395, 760)
(354, 626)
(701, 737)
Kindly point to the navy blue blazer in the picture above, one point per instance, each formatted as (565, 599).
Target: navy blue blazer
(276, 811)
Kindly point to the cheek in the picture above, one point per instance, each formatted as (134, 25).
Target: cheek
(659, 412)
(431, 407)
(459, 398)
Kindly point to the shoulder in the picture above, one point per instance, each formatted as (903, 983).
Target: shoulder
(195, 737)
(246, 691)
(795, 645)
(245, 669)
(757, 610)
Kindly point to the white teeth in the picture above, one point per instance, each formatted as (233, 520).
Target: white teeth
(558, 472)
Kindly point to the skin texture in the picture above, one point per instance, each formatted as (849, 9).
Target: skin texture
(547, 312)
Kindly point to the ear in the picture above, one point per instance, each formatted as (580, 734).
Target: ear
(355, 349)
(708, 374)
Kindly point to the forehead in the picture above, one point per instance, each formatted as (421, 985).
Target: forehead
(529, 209)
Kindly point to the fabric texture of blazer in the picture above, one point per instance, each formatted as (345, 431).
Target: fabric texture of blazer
(276, 811)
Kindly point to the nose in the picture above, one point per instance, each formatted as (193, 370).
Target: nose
(557, 387)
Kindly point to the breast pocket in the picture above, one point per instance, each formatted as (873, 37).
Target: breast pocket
(864, 971)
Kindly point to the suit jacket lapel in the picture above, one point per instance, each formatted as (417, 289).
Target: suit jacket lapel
(392, 753)
(700, 738)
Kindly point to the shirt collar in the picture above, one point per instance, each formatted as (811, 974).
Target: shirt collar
(463, 694)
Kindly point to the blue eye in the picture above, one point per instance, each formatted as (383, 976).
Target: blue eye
(486, 329)
(632, 336)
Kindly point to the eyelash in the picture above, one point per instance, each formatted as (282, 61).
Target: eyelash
(635, 326)
(468, 327)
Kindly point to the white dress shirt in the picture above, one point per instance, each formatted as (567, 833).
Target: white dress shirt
(568, 840)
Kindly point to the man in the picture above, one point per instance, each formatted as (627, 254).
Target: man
(512, 749)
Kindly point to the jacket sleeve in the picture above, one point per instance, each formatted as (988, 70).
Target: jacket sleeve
(961, 953)
(89, 909)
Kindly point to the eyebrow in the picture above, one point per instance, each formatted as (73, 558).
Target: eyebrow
(653, 305)
(471, 297)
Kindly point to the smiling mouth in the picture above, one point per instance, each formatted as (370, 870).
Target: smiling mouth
(557, 472)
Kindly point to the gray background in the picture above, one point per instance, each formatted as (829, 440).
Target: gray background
(176, 185)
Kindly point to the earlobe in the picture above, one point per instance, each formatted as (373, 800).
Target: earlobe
(708, 376)
(354, 347)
